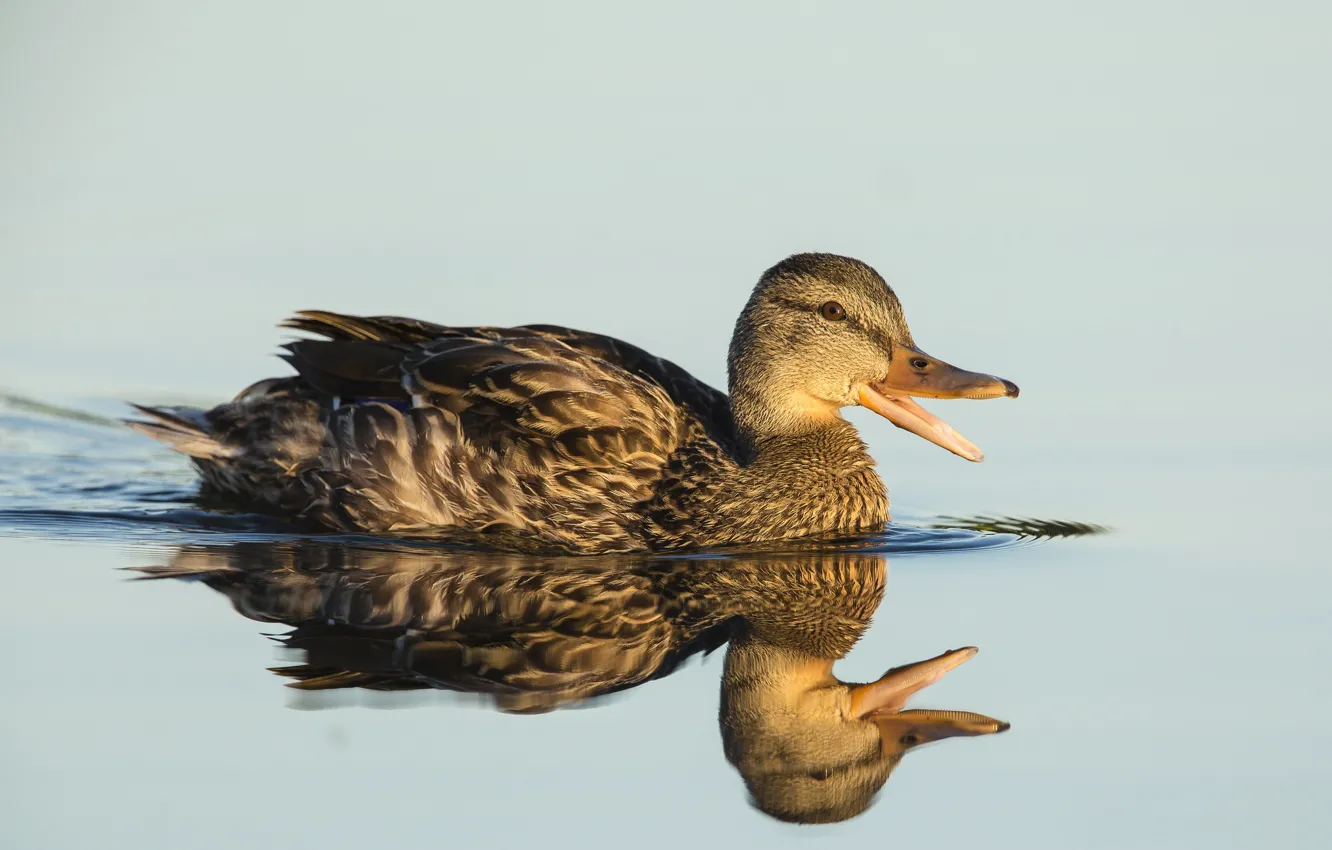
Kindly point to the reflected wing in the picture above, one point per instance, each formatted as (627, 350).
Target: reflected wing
(531, 633)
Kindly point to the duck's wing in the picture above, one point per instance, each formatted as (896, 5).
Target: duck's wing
(508, 391)
(507, 432)
(523, 668)
(529, 648)
(530, 633)
(709, 405)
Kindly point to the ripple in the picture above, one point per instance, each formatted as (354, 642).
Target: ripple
(180, 525)
(66, 475)
(36, 407)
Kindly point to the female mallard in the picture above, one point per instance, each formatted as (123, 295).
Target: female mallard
(545, 438)
(532, 634)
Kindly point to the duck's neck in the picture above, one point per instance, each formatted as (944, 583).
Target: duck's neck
(757, 673)
(767, 409)
(811, 482)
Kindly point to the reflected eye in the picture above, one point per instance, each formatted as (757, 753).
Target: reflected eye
(832, 311)
(911, 739)
(919, 363)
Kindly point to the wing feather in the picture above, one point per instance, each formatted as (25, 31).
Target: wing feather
(535, 430)
(710, 405)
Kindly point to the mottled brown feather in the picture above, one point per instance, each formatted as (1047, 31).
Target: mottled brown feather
(544, 438)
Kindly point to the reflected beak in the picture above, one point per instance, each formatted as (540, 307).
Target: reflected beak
(923, 725)
(888, 695)
(882, 703)
(915, 373)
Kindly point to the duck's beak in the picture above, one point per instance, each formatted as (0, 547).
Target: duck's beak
(915, 726)
(915, 373)
(889, 694)
(882, 702)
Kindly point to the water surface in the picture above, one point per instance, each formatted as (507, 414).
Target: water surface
(1125, 210)
(1126, 669)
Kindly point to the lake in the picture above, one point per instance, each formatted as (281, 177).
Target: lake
(1125, 213)
(1140, 667)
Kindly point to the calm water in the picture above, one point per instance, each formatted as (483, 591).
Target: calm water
(1164, 689)
(1125, 210)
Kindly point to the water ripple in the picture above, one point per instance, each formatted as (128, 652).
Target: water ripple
(65, 474)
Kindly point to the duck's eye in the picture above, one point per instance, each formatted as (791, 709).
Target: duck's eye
(919, 363)
(832, 311)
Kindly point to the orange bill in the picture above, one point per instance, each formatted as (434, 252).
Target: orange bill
(882, 703)
(890, 693)
(916, 726)
(915, 373)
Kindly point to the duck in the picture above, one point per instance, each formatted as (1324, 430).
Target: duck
(812, 748)
(527, 634)
(534, 634)
(541, 438)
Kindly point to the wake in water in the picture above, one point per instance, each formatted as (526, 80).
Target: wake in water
(70, 473)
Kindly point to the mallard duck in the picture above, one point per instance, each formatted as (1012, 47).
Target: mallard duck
(814, 749)
(534, 634)
(542, 438)
(530, 633)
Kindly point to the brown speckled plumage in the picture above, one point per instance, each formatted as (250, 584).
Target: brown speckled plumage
(534, 633)
(541, 438)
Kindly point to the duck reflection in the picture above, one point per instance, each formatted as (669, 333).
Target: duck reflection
(534, 634)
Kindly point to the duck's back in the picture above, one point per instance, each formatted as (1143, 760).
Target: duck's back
(526, 438)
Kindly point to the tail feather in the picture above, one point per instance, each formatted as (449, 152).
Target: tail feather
(184, 429)
(337, 326)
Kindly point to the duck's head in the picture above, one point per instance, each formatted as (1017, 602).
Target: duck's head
(822, 332)
(813, 749)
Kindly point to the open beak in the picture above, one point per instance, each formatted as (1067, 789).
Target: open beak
(915, 726)
(915, 373)
(890, 693)
(882, 702)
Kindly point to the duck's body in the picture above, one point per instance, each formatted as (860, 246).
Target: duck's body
(541, 438)
(532, 634)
